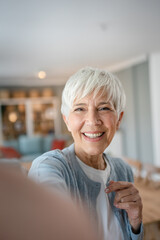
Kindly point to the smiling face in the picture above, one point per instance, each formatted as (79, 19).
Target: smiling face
(92, 122)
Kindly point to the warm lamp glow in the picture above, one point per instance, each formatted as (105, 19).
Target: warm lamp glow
(41, 74)
(50, 113)
(12, 117)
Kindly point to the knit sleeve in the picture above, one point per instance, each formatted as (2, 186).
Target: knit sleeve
(49, 169)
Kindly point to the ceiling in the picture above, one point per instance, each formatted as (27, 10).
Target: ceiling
(59, 37)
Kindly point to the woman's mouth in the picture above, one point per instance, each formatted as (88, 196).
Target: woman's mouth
(93, 135)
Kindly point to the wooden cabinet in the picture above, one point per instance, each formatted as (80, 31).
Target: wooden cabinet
(29, 116)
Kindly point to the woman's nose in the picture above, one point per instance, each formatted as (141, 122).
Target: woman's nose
(93, 118)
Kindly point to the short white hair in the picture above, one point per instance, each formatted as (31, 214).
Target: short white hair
(88, 80)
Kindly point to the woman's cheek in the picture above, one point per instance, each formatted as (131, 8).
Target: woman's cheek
(75, 122)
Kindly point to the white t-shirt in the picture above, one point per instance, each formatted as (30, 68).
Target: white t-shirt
(108, 225)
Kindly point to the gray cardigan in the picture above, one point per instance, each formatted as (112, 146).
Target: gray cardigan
(61, 170)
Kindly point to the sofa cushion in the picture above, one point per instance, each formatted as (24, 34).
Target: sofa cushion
(47, 142)
(30, 145)
(9, 152)
(58, 144)
(11, 143)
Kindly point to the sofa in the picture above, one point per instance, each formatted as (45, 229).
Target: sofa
(27, 148)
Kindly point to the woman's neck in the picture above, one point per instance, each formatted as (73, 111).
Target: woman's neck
(96, 162)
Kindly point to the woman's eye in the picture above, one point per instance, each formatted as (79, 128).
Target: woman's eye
(104, 109)
(78, 109)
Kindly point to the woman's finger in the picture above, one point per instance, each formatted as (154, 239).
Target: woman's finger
(130, 198)
(116, 186)
(129, 194)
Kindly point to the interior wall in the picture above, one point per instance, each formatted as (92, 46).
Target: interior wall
(128, 124)
(143, 112)
(154, 69)
(136, 126)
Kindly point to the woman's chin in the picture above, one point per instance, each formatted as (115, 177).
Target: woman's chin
(94, 151)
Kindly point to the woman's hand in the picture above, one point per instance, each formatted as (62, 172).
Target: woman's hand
(127, 197)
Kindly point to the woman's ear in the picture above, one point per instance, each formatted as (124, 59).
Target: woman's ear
(120, 119)
(66, 122)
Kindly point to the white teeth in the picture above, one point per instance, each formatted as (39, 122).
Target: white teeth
(93, 135)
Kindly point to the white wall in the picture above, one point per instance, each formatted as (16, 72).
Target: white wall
(116, 147)
(128, 124)
(142, 101)
(136, 126)
(154, 69)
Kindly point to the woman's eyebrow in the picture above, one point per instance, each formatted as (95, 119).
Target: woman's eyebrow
(79, 104)
(104, 103)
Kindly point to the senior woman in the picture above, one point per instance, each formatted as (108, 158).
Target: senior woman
(93, 103)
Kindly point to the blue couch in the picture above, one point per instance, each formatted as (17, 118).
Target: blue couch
(33, 146)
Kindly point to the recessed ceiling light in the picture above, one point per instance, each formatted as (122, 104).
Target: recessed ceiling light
(41, 74)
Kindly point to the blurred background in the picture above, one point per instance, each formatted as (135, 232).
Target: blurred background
(42, 43)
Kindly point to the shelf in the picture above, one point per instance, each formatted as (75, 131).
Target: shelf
(29, 116)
